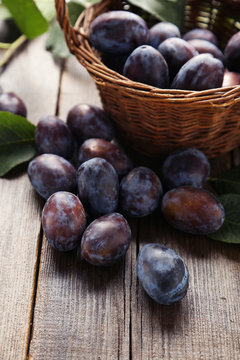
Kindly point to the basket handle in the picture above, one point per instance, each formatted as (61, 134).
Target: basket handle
(71, 33)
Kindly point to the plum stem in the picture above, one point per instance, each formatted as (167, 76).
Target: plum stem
(11, 49)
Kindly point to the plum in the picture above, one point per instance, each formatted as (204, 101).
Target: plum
(118, 32)
(9, 31)
(186, 167)
(140, 192)
(193, 210)
(86, 121)
(146, 65)
(53, 136)
(201, 72)
(206, 47)
(232, 53)
(162, 31)
(63, 220)
(105, 149)
(199, 33)
(50, 173)
(12, 103)
(98, 186)
(106, 240)
(162, 273)
(176, 52)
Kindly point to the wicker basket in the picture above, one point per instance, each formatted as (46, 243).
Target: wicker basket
(156, 121)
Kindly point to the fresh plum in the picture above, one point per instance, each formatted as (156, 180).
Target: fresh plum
(146, 65)
(206, 47)
(162, 31)
(232, 53)
(63, 220)
(118, 32)
(53, 136)
(176, 52)
(87, 121)
(204, 34)
(105, 149)
(186, 167)
(140, 192)
(201, 72)
(106, 240)
(162, 273)
(12, 103)
(98, 186)
(50, 173)
(193, 210)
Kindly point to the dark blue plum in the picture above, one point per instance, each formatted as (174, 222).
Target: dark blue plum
(140, 192)
(63, 220)
(106, 240)
(50, 173)
(88, 121)
(205, 46)
(176, 52)
(98, 186)
(198, 33)
(201, 72)
(162, 273)
(105, 149)
(232, 53)
(118, 32)
(186, 167)
(162, 31)
(9, 31)
(12, 103)
(53, 136)
(146, 65)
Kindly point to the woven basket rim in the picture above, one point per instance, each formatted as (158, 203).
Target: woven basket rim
(87, 55)
(157, 120)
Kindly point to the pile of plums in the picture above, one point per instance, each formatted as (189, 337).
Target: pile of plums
(90, 185)
(160, 57)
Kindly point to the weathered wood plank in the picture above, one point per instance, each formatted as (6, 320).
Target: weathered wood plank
(82, 312)
(34, 76)
(205, 324)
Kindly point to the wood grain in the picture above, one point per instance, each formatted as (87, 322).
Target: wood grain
(33, 75)
(82, 312)
(205, 324)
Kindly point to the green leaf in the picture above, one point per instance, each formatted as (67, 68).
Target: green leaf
(75, 8)
(165, 10)
(228, 182)
(27, 16)
(47, 8)
(55, 41)
(230, 230)
(17, 143)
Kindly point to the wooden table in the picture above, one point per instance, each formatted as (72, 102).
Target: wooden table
(54, 306)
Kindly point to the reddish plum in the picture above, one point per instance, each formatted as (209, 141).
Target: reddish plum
(63, 220)
(106, 240)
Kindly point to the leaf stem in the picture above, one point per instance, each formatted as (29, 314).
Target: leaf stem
(5, 45)
(12, 49)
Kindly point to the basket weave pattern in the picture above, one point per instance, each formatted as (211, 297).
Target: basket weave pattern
(157, 121)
